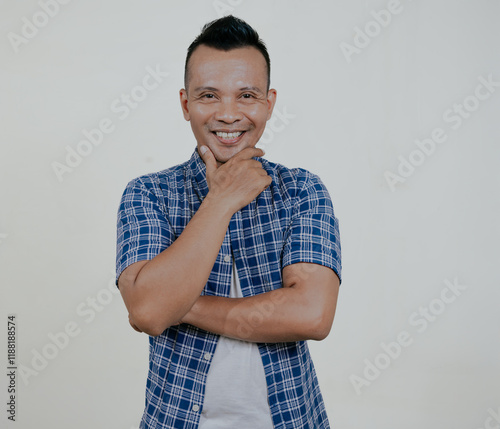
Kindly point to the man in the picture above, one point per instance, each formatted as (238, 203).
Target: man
(228, 261)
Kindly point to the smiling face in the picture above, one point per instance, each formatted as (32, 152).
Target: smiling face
(226, 100)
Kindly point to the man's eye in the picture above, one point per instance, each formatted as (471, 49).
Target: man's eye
(207, 95)
(247, 96)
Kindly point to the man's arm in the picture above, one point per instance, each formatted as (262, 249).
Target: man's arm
(159, 292)
(303, 309)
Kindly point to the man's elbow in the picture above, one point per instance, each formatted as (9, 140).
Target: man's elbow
(153, 331)
(144, 315)
(320, 328)
(147, 324)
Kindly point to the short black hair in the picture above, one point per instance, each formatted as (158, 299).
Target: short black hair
(228, 33)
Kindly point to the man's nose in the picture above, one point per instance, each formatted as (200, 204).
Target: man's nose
(228, 111)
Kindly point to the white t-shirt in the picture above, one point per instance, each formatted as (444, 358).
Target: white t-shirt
(236, 389)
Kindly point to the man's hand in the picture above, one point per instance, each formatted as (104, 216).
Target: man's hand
(238, 181)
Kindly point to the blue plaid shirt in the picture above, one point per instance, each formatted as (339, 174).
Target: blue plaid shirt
(291, 221)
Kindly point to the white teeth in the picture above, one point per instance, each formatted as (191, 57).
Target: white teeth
(229, 135)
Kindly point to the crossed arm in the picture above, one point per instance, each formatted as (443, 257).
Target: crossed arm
(302, 309)
(165, 290)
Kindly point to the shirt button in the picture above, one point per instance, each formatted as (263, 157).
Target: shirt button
(207, 356)
(196, 408)
(227, 258)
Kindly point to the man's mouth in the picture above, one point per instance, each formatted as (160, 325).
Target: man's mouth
(231, 137)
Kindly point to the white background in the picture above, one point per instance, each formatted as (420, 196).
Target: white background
(352, 120)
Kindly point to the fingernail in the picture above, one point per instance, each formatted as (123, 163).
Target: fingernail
(203, 149)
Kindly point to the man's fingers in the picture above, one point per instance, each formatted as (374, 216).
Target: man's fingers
(208, 157)
(249, 152)
(253, 163)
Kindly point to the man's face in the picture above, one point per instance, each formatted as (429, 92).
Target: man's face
(227, 94)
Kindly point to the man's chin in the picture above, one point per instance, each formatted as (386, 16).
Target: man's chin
(222, 159)
(224, 154)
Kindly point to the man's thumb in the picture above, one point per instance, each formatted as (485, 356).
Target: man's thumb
(209, 159)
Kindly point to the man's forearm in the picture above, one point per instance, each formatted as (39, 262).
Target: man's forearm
(158, 293)
(169, 284)
(281, 315)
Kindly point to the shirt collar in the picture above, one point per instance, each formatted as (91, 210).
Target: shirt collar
(198, 172)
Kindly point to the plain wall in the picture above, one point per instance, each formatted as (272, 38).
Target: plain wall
(352, 115)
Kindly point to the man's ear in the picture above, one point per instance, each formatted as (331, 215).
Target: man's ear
(271, 101)
(184, 104)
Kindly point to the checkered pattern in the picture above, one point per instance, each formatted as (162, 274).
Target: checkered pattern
(290, 221)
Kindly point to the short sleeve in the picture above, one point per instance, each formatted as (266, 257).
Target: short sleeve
(313, 235)
(143, 230)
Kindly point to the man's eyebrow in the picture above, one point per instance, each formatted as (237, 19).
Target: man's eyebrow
(205, 88)
(251, 88)
(211, 88)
